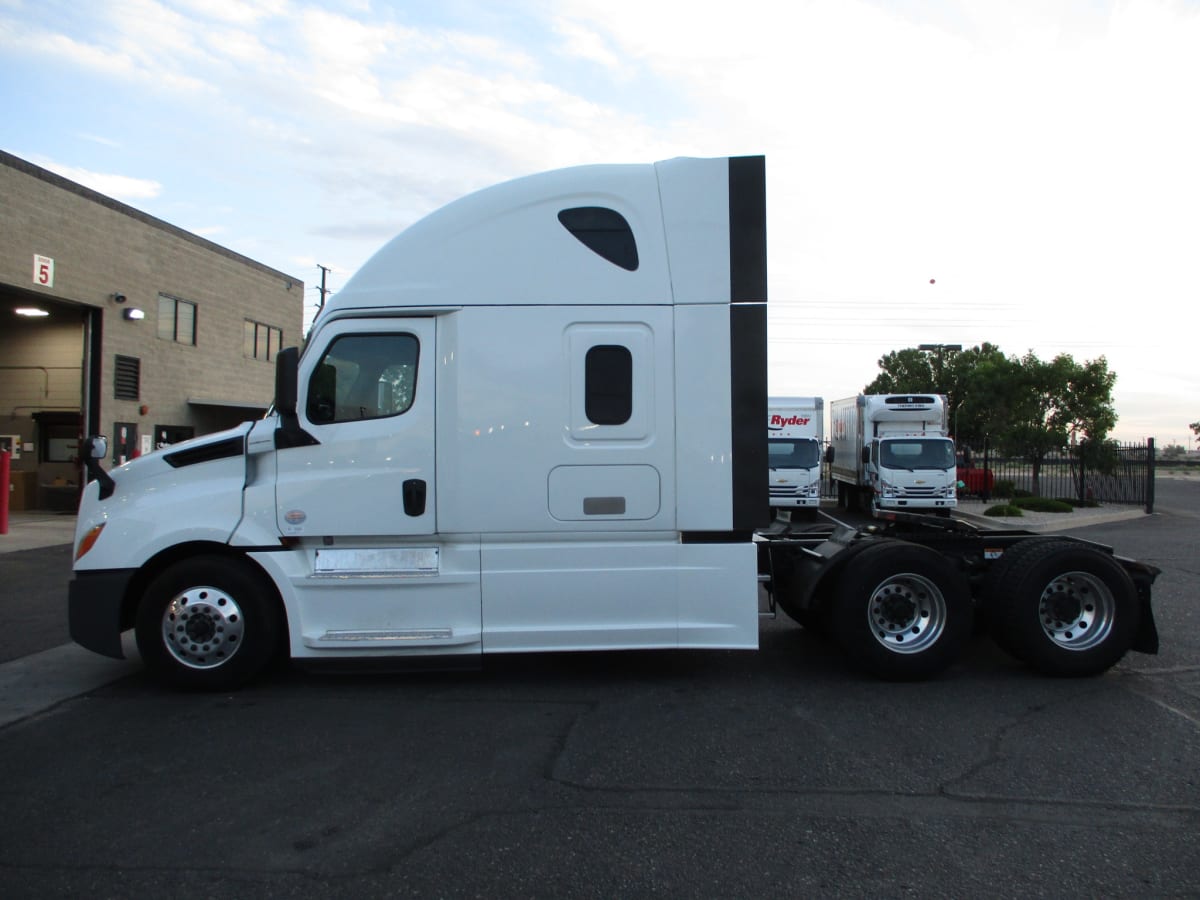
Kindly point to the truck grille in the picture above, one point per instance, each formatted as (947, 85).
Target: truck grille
(916, 492)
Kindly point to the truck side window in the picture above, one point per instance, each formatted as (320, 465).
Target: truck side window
(608, 384)
(363, 376)
(603, 231)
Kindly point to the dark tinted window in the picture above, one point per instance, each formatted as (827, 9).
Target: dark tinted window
(603, 231)
(608, 385)
(793, 454)
(363, 376)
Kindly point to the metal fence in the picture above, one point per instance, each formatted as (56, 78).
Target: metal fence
(1126, 476)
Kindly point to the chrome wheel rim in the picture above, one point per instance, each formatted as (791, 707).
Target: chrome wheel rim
(907, 613)
(1077, 611)
(203, 627)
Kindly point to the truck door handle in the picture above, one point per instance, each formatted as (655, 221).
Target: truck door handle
(414, 497)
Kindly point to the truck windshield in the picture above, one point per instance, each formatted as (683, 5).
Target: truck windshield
(801, 453)
(917, 453)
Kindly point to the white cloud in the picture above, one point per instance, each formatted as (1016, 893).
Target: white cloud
(585, 43)
(245, 13)
(119, 187)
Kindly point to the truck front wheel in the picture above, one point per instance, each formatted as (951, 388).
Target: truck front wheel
(208, 623)
(901, 611)
(1062, 607)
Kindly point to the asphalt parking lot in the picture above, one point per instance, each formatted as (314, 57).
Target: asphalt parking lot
(777, 773)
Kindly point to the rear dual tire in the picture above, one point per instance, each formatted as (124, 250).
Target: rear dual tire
(1062, 607)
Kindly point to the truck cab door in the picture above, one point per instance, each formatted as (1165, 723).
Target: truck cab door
(366, 399)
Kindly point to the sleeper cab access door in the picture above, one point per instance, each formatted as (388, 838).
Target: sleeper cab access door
(358, 488)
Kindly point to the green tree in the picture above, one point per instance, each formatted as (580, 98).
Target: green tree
(957, 374)
(1023, 406)
(904, 372)
(1055, 403)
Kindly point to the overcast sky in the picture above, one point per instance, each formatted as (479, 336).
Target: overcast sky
(1024, 172)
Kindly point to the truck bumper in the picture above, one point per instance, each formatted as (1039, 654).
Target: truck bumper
(94, 604)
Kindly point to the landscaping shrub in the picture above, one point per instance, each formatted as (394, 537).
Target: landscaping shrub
(1003, 510)
(1003, 488)
(1042, 504)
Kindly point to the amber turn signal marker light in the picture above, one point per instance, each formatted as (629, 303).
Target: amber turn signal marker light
(88, 540)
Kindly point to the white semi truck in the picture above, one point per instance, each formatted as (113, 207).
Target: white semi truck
(795, 449)
(533, 422)
(893, 452)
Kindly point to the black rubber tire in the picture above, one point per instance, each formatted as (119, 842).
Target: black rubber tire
(228, 595)
(902, 611)
(1063, 608)
(996, 591)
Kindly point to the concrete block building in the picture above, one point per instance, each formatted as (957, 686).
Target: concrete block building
(115, 322)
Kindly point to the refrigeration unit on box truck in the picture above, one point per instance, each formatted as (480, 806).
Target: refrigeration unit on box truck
(795, 448)
(533, 422)
(893, 452)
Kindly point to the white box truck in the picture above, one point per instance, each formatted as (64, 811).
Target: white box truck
(533, 422)
(893, 452)
(795, 449)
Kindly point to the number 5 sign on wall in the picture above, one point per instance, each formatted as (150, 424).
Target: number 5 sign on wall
(43, 270)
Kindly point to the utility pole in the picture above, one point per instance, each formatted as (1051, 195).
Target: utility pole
(324, 271)
(941, 350)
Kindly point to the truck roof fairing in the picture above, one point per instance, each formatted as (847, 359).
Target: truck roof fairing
(696, 228)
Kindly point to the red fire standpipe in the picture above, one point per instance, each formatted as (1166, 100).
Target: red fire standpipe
(5, 457)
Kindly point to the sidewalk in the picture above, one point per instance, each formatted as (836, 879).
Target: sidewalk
(30, 530)
(971, 510)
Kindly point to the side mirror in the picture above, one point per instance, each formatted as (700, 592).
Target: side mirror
(287, 380)
(866, 454)
(829, 454)
(93, 449)
(287, 375)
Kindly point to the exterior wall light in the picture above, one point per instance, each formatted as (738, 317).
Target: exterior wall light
(132, 314)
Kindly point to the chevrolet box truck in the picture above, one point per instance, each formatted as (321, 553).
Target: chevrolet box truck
(533, 422)
(893, 452)
(795, 449)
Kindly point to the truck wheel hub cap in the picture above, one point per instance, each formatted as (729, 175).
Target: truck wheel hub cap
(202, 627)
(907, 613)
(1077, 611)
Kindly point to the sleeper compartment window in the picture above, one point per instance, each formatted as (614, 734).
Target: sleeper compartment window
(604, 232)
(608, 384)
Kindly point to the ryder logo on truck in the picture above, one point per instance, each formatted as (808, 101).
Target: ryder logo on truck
(778, 421)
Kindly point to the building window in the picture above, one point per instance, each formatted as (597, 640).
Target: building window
(176, 320)
(58, 436)
(608, 384)
(260, 341)
(127, 378)
(166, 435)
